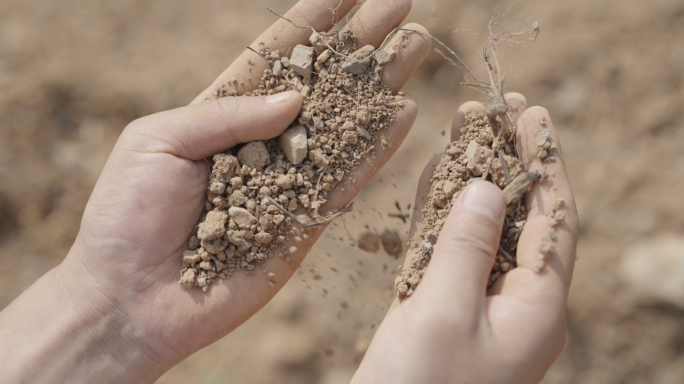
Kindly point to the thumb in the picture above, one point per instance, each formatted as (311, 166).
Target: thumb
(458, 273)
(202, 130)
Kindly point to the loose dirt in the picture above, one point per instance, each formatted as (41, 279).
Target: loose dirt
(482, 152)
(258, 191)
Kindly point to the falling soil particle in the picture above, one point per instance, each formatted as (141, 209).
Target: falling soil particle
(256, 191)
(472, 155)
(369, 242)
(391, 242)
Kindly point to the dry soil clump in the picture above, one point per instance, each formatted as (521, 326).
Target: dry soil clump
(258, 191)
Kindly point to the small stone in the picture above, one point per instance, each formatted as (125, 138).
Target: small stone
(286, 61)
(245, 246)
(293, 144)
(323, 57)
(218, 264)
(363, 132)
(214, 226)
(283, 182)
(242, 217)
(263, 238)
(357, 66)
(277, 68)
(302, 60)
(188, 278)
(254, 155)
(202, 282)
(235, 237)
(450, 188)
(454, 151)
(542, 137)
(477, 158)
(217, 187)
(292, 249)
(271, 277)
(384, 56)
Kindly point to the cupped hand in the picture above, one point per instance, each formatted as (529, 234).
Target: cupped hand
(452, 329)
(125, 263)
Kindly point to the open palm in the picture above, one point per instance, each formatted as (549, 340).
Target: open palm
(152, 190)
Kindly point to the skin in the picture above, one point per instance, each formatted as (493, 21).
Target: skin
(114, 312)
(452, 329)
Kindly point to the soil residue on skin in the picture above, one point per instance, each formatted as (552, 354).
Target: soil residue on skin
(345, 107)
(465, 160)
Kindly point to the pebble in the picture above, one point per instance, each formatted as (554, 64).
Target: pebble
(358, 67)
(277, 68)
(302, 60)
(384, 56)
(293, 144)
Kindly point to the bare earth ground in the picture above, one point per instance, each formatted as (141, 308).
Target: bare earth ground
(72, 74)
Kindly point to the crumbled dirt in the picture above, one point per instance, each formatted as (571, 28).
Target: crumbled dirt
(256, 192)
(464, 160)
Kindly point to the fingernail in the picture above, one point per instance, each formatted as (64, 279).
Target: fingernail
(279, 98)
(484, 197)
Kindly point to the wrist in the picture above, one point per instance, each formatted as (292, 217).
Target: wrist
(61, 330)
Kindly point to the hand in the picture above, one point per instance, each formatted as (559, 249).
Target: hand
(452, 330)
(113, 310)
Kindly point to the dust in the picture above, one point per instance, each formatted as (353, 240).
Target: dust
(258, 192)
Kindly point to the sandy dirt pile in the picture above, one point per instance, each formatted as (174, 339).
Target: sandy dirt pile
(258, 190)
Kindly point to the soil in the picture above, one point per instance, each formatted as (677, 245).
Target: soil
(469, 158)
(73, 74)
(258, 190)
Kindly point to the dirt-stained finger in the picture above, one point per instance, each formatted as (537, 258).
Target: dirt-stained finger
(376, 19)
(459, 118)
(283, 36)
(411, 49)
(558, 226)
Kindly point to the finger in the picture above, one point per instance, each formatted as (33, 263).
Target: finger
(281, 36)
(459, 269)
(517, 103)
(411, 49)
(422, 192)
(199, 131)
(553, 281)
(376, 19)
(459, 119)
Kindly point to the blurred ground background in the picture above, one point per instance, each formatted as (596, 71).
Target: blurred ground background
(73, 74)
